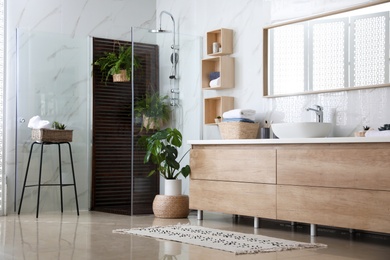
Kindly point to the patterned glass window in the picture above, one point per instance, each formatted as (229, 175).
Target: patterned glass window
(369, 49)
(329, 54)
(288, 75)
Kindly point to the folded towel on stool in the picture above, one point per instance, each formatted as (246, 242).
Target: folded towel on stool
(37, 123)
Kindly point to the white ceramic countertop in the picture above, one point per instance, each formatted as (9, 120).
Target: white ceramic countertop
(327, 140)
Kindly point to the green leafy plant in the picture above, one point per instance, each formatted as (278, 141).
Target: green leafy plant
(113, 62)
(161, 150)
(58, 126)
(155, 108)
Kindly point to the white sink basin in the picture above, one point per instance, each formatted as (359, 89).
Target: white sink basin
(301, 130)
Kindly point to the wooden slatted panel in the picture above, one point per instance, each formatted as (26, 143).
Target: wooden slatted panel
(111, 170)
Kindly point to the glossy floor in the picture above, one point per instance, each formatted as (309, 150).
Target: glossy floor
(89, 236)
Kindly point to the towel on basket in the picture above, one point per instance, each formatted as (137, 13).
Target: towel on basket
(240, 113)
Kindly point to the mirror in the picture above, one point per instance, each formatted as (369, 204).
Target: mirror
(338, 51)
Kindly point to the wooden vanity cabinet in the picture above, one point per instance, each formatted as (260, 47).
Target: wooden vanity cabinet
(338, 184)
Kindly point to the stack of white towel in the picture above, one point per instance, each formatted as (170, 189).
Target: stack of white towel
(239, 115)
(37, 123)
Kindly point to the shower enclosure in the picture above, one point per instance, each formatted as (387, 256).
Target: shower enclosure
(54, 81)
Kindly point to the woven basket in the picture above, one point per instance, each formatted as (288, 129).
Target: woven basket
(51, 135)
(238, 130)
(165, 206)
(121, 77)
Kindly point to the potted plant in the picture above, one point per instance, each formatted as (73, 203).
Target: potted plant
(117, 64)
(162, 150)
(218, 119)
(153, 109)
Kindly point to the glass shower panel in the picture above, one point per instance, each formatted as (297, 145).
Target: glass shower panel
(53, 82)
(187, 110)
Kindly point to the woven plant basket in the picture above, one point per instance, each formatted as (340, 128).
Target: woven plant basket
(238, 130)
(121, 77)
(51, 135)
(165, 206)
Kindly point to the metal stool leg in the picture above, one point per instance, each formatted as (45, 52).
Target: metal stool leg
(60, 171)
(25, 177)
(39, 179)
(74, 179)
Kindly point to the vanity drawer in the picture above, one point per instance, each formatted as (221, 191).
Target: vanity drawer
(354, 166)
(248, 199)
(233, 164)
(348, 208)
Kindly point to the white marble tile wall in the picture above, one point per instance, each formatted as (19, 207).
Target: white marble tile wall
(78, 19)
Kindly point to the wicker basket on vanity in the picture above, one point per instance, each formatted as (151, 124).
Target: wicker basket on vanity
(238, 130)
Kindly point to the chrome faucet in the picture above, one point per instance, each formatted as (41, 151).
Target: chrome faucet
(319, 112)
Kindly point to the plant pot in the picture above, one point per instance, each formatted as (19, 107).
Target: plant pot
(121, 77)
(172, 187)
(150, 123)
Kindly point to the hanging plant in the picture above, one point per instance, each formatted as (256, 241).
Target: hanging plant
(117, 63)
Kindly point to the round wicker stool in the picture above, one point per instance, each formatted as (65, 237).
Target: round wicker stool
(171, 206)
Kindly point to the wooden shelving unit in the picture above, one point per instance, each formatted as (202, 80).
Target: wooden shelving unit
(216, 106)
(224, 37)
(222, 64)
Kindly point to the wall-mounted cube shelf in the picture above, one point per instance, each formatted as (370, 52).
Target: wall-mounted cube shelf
(225, 39)
(216, 106)
(222, 64)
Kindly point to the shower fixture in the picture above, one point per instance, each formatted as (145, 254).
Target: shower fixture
(174, 47)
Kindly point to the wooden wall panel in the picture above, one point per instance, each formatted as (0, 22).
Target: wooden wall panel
(112, 183)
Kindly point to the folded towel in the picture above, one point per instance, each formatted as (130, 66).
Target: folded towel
(214, 75)
(215, 83)
(375, 133)
(37, 123)
(240, 113)
(245, 120)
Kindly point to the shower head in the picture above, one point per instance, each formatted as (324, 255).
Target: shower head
(174, 55)
(166, 31)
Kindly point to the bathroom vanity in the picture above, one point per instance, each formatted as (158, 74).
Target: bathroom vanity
(341, 182)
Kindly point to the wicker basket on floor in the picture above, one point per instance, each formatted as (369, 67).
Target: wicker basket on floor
(51, 135)
(165, 206)
(238, 130)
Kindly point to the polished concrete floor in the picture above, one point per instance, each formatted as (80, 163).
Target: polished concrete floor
(89, 236)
